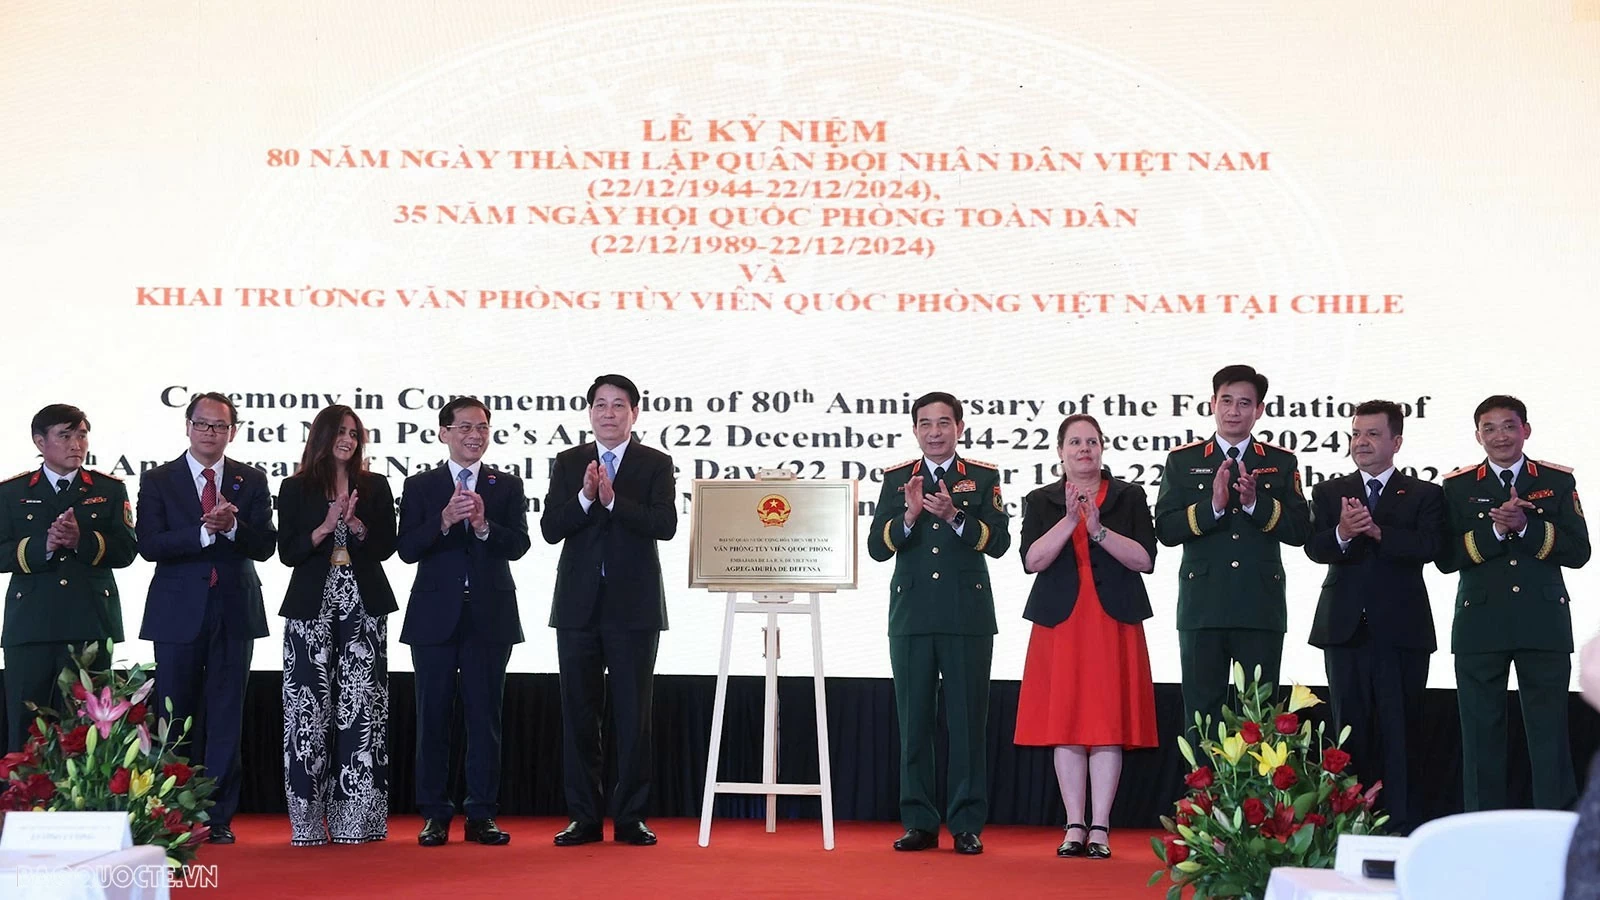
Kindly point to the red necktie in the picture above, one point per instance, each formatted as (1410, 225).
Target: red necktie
(208, 502)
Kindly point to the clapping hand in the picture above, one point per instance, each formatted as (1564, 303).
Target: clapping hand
(1510, 517)
(63, 533)
(940, 504)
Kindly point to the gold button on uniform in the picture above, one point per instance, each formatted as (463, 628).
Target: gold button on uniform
(936, 576)
(1235, 564)
(63, 582)
(936, 551)
(1236, 535)
(1513, 562)
(1516, 589)
(30, 517)
(936, 526)
(979, 586)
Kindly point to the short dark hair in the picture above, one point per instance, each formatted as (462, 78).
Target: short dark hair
(58, 414)
(1501, 401)
(1069, 421)
(621, 382)
(224, 399)
(447, 416)
(1237, 373)
(933, 397)
(1396, 415)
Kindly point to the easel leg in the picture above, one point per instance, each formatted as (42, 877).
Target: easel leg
(718, 709)
(769, 737)
(824, 763)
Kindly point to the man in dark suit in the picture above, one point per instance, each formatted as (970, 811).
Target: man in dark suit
(462, 524)
(1375, 529)
(1514, 523)
(63, 529)
(204, 520)
(1231, 502)
(610, 502)
(938, 517)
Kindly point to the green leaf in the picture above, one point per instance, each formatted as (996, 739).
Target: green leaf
(1155, 877)
(1160, 848)
(1302, 839)
(1304, 804)
(1187, 751)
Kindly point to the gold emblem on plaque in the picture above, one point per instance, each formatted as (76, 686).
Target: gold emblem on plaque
(773, 510)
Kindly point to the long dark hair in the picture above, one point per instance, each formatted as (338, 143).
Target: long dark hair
(317, 463)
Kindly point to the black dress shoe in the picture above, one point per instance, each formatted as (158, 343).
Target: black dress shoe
(435, 833)
(635, 833)
(484, 831)
(575, 834)
(968, 844)
(220, 834)
(1069, 847)
(917, 839)
(1100, 849)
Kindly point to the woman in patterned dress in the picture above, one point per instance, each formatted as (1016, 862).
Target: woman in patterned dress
(336, 526)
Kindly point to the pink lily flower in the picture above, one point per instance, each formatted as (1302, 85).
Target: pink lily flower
(103, 712)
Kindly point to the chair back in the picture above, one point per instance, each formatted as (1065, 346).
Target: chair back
(1509, 853)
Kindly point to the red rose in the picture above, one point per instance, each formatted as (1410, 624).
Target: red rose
(1334, 760)
(1284, 777)
(180, 770)
(1199, 779)
(1255, 812)
(173, 822)
(40, 787)
(16, 798)
(1202, 802)
(79, 691)
(12, 761)
(1288, 723)
(1176, 852)
(1251, 732)
(119, 781)
(1316, 819)
(76, 741)
(1187, 811)
(137, 714)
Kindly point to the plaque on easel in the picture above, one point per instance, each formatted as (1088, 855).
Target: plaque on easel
(770, 538)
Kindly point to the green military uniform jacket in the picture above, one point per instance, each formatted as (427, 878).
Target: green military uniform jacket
(71, 596)
(1232, 570)
(1511, 595)
(941, 581)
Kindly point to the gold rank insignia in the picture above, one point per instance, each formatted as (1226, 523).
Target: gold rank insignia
(966, 485)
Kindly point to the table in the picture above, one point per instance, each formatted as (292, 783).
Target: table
(1326, 884)
(137, 873)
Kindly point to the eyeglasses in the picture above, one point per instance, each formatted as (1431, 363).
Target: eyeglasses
(211, 427)
(465, 429)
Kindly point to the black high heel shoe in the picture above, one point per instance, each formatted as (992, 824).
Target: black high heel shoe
(1100, 850)
(1070, 847)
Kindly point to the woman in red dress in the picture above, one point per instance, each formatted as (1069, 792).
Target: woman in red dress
(1086, 688)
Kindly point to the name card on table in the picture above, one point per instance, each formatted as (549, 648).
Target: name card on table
(1354, 851)
(105, 832)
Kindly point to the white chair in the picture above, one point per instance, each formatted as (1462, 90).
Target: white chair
(1517, 854)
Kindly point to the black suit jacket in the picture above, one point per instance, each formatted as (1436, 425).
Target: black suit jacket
(622, 540)
(301, 508)
(1382, 578)
(446, 561)
(1121, 589)
(168, 531)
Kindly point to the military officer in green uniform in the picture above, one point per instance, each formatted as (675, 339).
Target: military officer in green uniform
(938, 517)
(1513, 524)
(1231, 502)
(62, 531)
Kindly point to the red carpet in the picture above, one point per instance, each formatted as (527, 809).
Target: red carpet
(742, 860)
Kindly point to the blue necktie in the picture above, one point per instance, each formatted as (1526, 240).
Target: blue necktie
(465, 477)
(1374, 487)
(610, 459)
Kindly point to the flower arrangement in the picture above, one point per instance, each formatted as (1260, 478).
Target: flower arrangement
(101, 755)
(1266, 792)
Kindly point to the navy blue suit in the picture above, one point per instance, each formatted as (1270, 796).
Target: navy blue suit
(462, 617)
(203, 634)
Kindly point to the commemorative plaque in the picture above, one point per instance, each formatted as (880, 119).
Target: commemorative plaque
(775, 533)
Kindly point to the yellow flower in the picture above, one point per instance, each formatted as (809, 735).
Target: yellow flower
(1271, 757)
(1302, 698)
(139, 782)
(1233, 747)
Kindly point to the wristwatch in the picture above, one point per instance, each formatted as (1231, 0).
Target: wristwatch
(959, 520)
(1098, 536)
